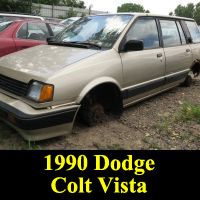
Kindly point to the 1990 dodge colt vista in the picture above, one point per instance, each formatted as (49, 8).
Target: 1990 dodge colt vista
(99, 64)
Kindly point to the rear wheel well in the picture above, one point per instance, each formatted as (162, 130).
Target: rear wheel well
(196, 68)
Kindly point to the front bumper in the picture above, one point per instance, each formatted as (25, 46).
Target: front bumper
(34, 124)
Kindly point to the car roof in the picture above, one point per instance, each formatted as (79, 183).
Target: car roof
(24, 16)
(147, 14)
(36, 21)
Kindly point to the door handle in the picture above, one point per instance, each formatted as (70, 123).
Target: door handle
(188, 50)
(159, 55)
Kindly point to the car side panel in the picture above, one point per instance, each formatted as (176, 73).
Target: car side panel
(143, 73)
(7, 46)
(178, 63)
(78, 79)
(195, 51)
(24, 43)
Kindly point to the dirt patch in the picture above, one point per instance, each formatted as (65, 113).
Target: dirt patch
(151, 124)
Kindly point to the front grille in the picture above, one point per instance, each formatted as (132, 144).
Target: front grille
(13, 86)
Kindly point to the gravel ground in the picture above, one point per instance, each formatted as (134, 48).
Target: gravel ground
(152, 124)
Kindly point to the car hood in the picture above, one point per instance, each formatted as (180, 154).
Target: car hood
(41, 62)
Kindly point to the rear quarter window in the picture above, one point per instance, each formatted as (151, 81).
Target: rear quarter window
(194, 31)
(37, 31)
(4, 25)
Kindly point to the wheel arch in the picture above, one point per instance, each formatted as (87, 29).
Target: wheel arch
(96, 83)
(195, 68)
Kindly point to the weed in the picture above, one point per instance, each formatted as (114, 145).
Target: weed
(190, 112)
(32, 146)
(162, 126)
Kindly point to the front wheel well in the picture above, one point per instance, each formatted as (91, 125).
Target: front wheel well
(108, 95)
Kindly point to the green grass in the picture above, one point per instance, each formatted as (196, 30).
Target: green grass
(161, 126)
(32, 146)
(190, 112)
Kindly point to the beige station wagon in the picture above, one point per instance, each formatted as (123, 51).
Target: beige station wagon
(99, 64)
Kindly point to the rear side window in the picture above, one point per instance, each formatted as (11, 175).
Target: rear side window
(181, 33)
(170, 33)
(145, 30)
(22, 32)
(194, 31)
(37, 31)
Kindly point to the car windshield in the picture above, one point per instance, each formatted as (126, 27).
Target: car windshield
(4, 25)
(99, 30)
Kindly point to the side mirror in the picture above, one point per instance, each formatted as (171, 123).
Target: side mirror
(134, 45)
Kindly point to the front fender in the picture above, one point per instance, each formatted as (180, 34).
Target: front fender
(94, 84)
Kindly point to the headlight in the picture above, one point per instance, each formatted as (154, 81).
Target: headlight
(40, 92)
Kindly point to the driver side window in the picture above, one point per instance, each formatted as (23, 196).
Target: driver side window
(145, 29)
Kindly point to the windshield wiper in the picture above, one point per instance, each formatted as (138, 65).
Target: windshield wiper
(69, 44)
(89, 44)
(75, 44)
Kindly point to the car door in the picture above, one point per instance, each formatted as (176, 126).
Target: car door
(143, 70)
(7, 45)
(194, 33)
(177, 52)
(31, 34)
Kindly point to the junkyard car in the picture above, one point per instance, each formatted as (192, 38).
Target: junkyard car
(22, 34)
(99, 64)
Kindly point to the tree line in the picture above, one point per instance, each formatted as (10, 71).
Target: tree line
(190, 10)
(25, 6)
